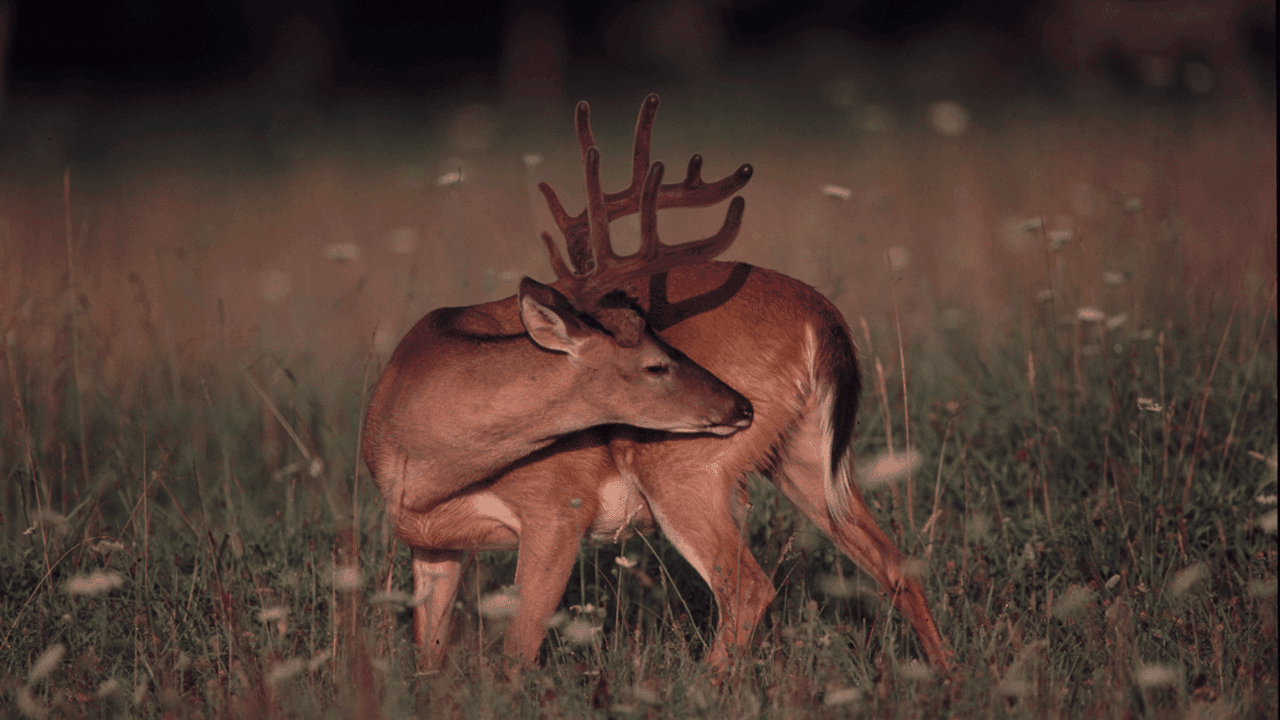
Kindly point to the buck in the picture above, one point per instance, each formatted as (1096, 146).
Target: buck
(777, 339)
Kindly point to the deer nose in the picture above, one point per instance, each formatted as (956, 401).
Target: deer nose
(743, 414)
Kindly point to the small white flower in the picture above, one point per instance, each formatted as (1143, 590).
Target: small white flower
(1116, 321)
(1150, 675)
(319, 659)
(625, 561)
(1026, 225)
(978, 527)
(29, 704)
(948, 118)
(1073, 601)
(1184, 580)
(885, 468)
(646, 696)
(285, 669)
(273, 614)
(1028, 556)
(347, 577)
(1146, 404)
(393, 597)
(898, 257)
(915, 670)
(341, 252)
(1090, 314)
(582, 632)
(1267, 522)
(46, 663)
(841, 696)
(98, 582)
(108, 688)
(532, 159)
(502, 604)
(837, 192)
(1113, 278)
(449, 179)
(1265, 587)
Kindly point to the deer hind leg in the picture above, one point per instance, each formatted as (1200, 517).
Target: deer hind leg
(435, 584)
(833, 502)
(698, 505)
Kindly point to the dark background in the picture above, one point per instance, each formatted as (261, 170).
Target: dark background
(382, 48)
(206, 41)
(204, 82)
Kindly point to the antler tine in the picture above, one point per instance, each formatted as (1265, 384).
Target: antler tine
(582, 122)
(597, 215)
(574, 231)
(562, 218)
(693, 192)
(557, 263)
(650, 246)
(643, 142)
(694, 250)
(576, 236)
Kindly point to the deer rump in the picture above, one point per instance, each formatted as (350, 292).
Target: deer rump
(780, 343)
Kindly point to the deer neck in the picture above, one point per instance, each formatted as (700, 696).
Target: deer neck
(508, 396)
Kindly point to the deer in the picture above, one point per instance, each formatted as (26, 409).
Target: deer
(471, 390)
(775, 338)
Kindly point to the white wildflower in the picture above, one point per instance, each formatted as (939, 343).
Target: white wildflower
(93, 584)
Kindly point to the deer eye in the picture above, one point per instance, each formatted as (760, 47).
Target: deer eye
(657, 370)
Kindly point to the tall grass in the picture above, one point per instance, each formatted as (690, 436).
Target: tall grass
(1071, 322)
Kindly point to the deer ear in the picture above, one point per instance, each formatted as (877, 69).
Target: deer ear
(549, 318)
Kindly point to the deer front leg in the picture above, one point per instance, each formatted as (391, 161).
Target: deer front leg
(548, 549)
(435, 585)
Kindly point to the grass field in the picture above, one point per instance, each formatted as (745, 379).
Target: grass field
(1082, 299)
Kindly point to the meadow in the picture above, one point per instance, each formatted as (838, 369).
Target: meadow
(1066, 312)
